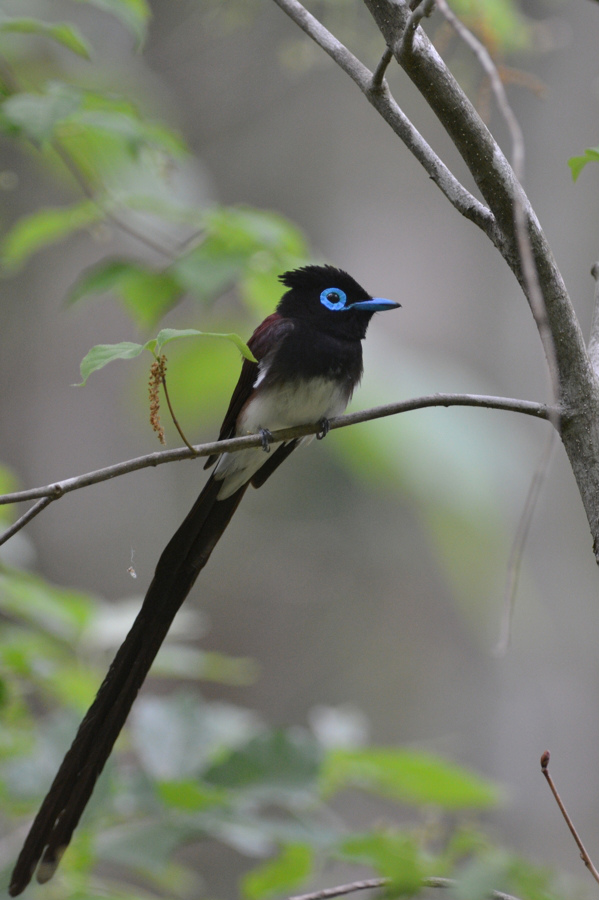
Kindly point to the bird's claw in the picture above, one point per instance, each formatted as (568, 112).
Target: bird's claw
(325, 427)
(266, 438)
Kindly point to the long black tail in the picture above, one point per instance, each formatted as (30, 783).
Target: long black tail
(183, 559)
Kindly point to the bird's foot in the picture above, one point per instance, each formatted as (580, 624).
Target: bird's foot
(266, 437)
(325, 427)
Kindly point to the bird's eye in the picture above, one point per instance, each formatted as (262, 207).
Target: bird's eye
(333, 298)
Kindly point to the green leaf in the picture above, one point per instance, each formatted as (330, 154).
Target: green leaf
(100, 355)
(242, 244)
(128, 126)
(101, 279)
(144, 846)
(171, 334)
(37, 115)
(44, 227)
(190, 796)
(577, 163)
(61, 32)
(146, 294)
(393, 854)
(133, 14)
(60, 612)
(280, 875)
(274, 762)
(412, 777)
(206, 272)
(177, 736)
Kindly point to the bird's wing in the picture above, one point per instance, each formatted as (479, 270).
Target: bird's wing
(263, 340)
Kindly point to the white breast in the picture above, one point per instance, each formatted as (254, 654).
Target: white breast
(300, 403)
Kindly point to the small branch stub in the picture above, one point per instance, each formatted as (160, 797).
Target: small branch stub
(594, 338)
(583, 852)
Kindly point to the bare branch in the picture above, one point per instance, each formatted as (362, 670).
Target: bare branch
(583, 852)
(490, 169)
(379, 96)
(341, 890)
(368, 884)
(59, 488)
(31, 513)
(379, 72)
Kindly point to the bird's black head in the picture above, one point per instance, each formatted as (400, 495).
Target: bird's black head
(331, 298)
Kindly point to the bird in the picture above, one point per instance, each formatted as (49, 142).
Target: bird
(308, 363)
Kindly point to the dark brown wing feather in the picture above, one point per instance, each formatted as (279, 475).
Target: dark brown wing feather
(266, 335)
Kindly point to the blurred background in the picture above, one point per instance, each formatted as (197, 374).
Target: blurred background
(369, 573)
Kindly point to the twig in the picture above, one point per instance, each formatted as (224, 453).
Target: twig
(57, 489)
(583, 853)
(519, 543)
(593, 347)
(367, 884)
(419, 12)
(386, 106)
(379, 72)
(173, 416)
(31, 513)
(341, 890)
(529, 270)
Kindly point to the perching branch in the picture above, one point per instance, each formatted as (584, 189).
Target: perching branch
(50, 492)
(368, 884)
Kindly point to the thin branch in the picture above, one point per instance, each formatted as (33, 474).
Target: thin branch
(379, 96)
(31, 513)
(341, 890)
(379, 72)
(368, 884)
(59, 488)
(529, 269)
(419, 12)
(583, 852)
(173, 416)
(519, 543)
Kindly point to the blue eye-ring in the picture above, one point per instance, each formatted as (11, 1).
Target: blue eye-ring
(333, 298)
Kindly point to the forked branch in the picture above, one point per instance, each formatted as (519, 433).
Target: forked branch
(505, 215)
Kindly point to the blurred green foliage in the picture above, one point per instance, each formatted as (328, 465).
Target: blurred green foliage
(216, 772)
(577, 163)
(202, 771)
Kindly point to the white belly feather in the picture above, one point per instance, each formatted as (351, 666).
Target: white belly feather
(300, 403)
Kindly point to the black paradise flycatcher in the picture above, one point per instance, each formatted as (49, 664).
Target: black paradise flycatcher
(309, 356)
